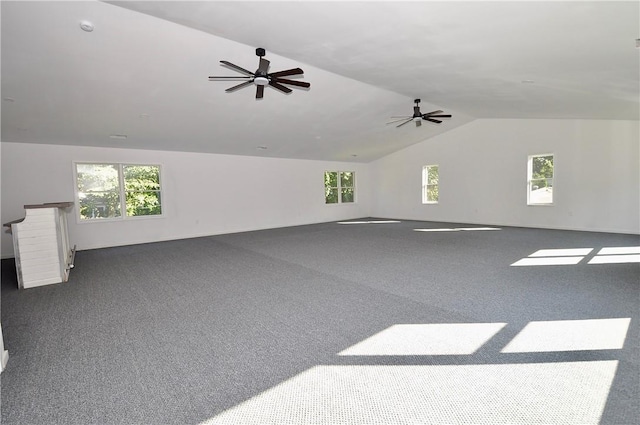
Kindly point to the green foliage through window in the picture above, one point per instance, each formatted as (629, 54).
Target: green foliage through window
(142, 189)
(98, 190)
(430, 181)
(101, 189)
(540, 179)
(339, 187)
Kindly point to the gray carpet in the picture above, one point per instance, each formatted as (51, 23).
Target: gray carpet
(247, 328)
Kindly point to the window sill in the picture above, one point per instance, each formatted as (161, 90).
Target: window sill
(119, 219)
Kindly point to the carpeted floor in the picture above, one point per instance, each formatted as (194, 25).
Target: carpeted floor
(372, 323)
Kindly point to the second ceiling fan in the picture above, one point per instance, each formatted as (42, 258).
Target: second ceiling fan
(419, 116)
(263, 77)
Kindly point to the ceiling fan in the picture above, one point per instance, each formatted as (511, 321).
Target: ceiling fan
(418, 116)
(262, 77)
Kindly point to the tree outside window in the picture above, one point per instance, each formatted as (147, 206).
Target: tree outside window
(347, 186)
(430, 181)
(540, 180)
(98, 191)
(112, 191)
(339, 187)
(142, 189)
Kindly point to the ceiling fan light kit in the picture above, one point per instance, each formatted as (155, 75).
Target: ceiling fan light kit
(262, 77)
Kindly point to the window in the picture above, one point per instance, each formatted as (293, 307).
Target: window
(430, 184)
(117, 191)
(540, 180)
(339, 187)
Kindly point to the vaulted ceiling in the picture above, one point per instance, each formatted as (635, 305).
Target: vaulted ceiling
(143, 71)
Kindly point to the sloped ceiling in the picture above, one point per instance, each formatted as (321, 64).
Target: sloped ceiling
(143, 71)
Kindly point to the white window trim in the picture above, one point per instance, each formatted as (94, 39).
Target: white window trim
(530, 176)
(123, 207)
(355, 191)
(425, 184)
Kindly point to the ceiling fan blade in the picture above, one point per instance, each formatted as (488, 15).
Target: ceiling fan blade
(292, 82)
(436, 116)
(432, 120)
(264, 65)
(401, 119)
(408, 120)
(238, 78)
(280, 87)
(418, 123)
(293, 71)
(237, 68)
(259, 92)
(432, 112)
(239, 86)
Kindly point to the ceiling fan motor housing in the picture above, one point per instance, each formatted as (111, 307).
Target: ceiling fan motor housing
(416, 111)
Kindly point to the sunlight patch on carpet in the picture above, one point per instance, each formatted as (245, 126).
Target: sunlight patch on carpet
(570, 335)
(540, 393)
(426, 339)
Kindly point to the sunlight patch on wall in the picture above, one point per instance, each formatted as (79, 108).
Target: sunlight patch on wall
(426, 339)
(574, 392)
(570, 335)
(457, 229)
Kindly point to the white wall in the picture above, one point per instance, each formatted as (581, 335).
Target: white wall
(482, 180)
(203, 194)
(483, 175)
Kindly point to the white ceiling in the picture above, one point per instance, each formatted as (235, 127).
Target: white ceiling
(143, 71)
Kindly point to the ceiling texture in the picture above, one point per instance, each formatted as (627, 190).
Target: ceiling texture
(143, 71)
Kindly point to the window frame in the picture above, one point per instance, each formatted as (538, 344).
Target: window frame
(340, 187)
(122, 192)
(426, 184)
(530, 180)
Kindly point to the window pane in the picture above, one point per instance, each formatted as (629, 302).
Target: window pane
(540, 179)
(430, 179)
(143, 203)
(331, 196)
(98, 190)
(331, 179)
(142, 189)
(97, 177)
(95, 205)
(542, 167)
(433, 175)
(347, 178)
(347, 195)
(432, 193)
(141, 177)
(541, 192)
